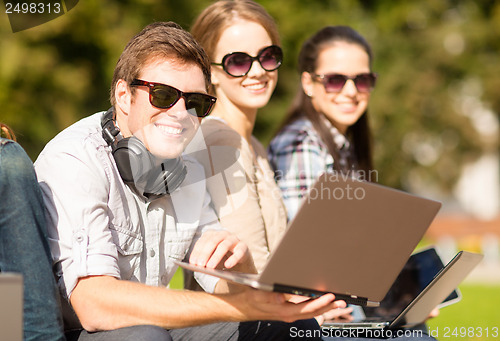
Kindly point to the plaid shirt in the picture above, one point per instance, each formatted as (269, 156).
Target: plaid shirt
(298, 156)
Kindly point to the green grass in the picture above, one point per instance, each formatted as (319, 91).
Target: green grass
(477, 313)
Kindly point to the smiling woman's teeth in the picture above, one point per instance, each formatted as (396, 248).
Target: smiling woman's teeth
(256, 86)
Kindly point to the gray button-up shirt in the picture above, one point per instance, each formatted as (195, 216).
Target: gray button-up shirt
(98, 226)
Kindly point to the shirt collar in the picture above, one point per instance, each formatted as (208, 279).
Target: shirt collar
(339, 139)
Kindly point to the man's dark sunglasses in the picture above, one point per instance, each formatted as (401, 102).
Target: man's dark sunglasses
(335, 82)
(238, 64)
(165, 96)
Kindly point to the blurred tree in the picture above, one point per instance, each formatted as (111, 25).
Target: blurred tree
(431, 111)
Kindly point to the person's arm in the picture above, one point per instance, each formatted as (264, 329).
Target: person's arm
(104, 303)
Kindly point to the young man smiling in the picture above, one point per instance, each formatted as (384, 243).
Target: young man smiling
(114, 232)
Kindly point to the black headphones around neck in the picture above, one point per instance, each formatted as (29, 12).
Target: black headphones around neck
(137, 166)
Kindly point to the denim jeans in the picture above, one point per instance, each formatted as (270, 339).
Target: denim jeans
(23, 243)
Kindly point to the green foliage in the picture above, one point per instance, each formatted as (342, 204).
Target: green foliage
(431, 57)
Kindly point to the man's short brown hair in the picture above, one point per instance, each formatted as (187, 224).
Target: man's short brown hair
(159, 40)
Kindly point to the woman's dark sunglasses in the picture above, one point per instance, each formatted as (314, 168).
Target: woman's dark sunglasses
(165, 96)
(335, 82)
(238, 64)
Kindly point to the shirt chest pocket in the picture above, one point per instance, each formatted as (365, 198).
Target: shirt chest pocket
(130, 247)
(125, 226)
(126, 241)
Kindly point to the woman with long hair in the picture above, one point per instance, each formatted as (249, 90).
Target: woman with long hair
(327, 128)
(242, 40)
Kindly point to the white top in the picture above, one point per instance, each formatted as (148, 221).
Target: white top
(98, 226)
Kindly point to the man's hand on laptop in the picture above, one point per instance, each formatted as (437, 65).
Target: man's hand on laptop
(342, 313)
(255, 304)
(218, 248)
(221, 249)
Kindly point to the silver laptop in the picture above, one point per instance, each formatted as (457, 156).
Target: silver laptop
(418, 272)
(349, 237)
(437, 291)
(11, 306)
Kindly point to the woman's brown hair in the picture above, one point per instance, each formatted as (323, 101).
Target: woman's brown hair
(209, 25)
(6, 132)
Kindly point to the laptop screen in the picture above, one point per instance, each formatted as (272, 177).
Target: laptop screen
(417, 273)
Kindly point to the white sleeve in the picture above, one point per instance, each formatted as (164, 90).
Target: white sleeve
(75, 188)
